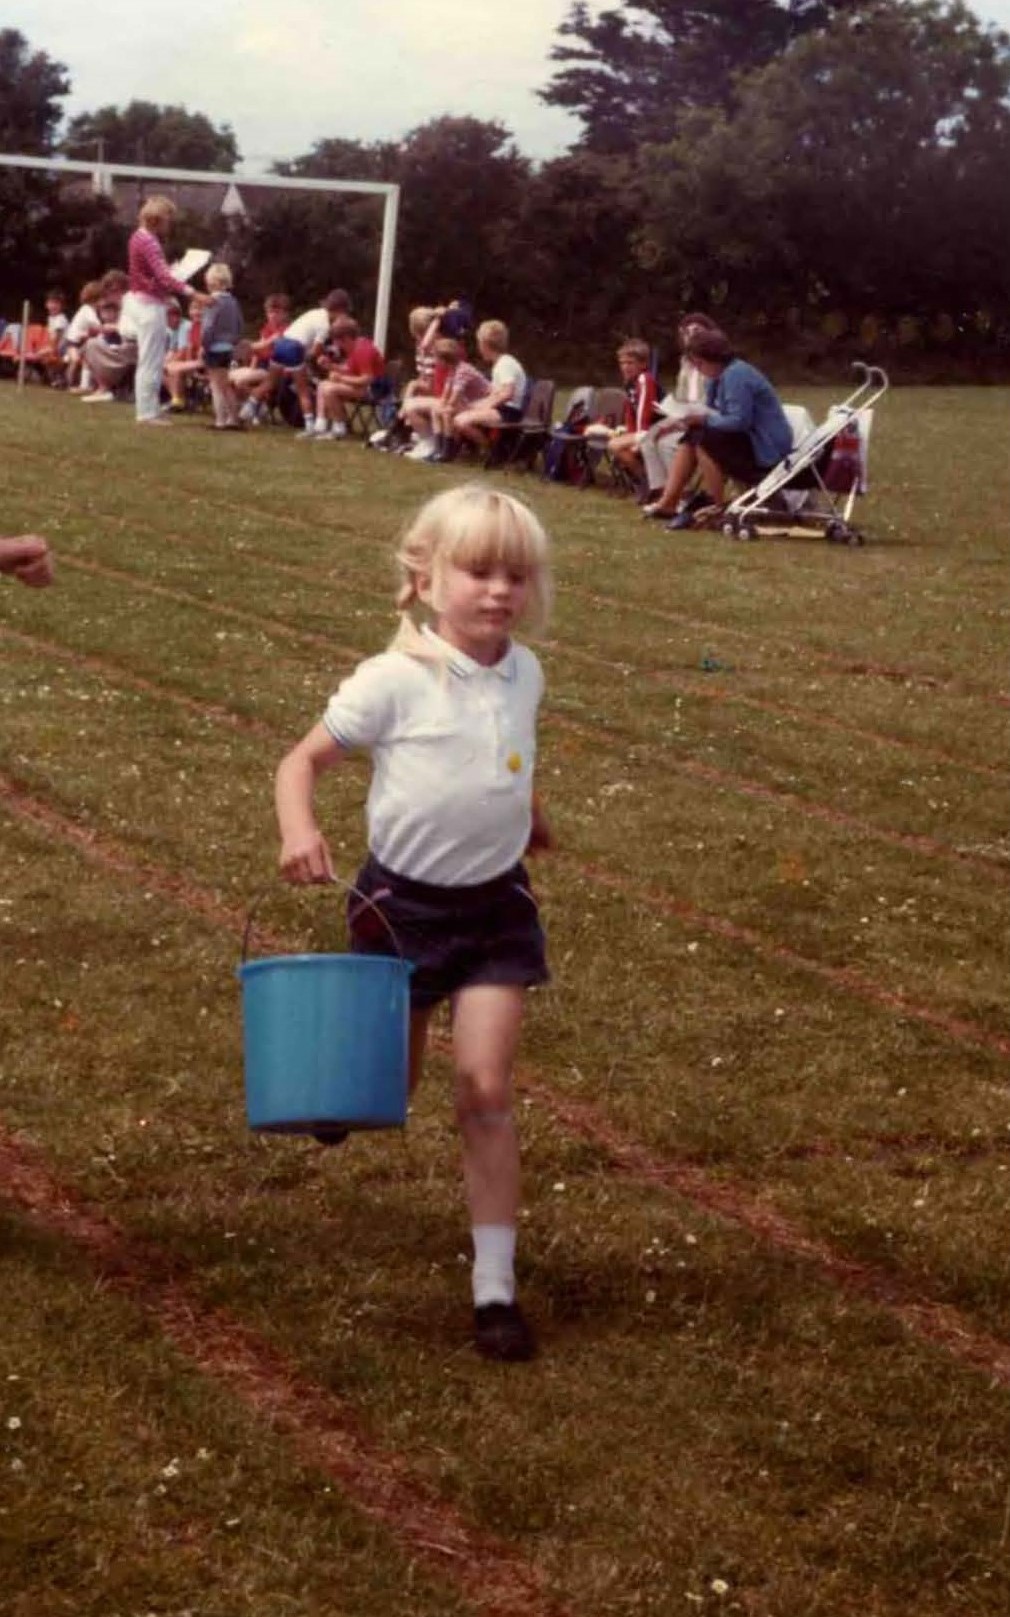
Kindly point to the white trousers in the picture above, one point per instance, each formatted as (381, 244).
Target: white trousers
(151, 322)
(657, 455)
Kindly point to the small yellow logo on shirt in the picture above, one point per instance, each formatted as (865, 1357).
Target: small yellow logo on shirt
(514, 762)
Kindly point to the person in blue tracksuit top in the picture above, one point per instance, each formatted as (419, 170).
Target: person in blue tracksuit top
(741, 432)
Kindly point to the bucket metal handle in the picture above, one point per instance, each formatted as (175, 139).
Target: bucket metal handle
(334, 881)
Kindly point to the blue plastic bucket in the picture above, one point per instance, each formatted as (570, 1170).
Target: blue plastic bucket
(326, 1041)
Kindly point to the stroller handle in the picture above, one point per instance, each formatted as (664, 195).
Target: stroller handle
(871, 375)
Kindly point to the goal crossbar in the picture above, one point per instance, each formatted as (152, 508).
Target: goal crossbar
(102, 173)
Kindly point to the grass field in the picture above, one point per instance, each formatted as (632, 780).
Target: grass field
(765, 1104)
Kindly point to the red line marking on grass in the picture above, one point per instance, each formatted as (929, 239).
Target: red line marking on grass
(137, 682)
(162, 592)
(841, 977)
(488, 1572)
(808, 808)
(931, 1321)
(703, 690)
(863, 667)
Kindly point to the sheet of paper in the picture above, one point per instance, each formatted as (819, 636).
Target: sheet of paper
(193, 260)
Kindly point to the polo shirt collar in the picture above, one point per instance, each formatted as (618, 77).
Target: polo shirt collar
(465, 667)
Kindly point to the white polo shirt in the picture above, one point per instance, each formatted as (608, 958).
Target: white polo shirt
(453, 746)
(309, 328)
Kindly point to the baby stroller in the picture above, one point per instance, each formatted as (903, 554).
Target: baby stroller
(813, 490)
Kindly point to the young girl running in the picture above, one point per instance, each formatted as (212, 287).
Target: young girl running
(449, 716)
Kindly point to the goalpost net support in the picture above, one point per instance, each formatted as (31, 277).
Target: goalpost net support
(104, 174)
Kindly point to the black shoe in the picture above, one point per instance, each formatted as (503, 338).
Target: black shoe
(500, 1331)
(330, 1133)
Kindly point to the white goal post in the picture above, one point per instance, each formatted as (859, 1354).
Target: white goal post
(103, 173)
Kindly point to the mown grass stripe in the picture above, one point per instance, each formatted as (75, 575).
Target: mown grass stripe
(861, 667)
(930, 1320)
(808, 808)
(843, 978)
(490, 1574)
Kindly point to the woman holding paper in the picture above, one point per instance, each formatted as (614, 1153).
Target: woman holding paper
(152, 284)
(660, 443)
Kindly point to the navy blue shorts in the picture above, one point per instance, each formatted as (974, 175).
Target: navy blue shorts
(289, 352)
(454, 937)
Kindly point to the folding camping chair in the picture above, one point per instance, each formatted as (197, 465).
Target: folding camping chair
(519, 443)
(379, 406)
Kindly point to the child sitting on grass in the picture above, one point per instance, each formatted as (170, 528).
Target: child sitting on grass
(449, 716)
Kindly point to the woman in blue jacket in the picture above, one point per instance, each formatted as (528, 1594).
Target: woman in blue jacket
(741, 431)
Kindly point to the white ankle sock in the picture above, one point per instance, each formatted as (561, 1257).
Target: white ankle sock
(494, 1247)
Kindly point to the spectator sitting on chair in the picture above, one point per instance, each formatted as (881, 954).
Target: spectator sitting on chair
(353, 363)
(301, 341)
(464, 387)
(84, 324)
(179, 327)
(640, 411)
(659, 446)
(426, 384)
(111, 357)
(503, 406)
(185, 365)
(741, 432)
(49, 360)
(251, 379)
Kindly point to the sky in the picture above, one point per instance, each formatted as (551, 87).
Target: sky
(286, 73)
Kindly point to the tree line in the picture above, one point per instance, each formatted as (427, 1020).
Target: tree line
(826, 177)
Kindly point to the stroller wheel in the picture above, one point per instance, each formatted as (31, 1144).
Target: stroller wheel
(854, 537)
(729, 527)
(836, 532)
(748, 530)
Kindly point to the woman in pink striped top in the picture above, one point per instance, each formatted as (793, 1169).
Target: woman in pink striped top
(152, 284)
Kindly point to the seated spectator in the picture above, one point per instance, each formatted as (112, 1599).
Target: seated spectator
(179, 326)
(352, 364)
(111, 357)
(659, 445)
(641, 410)
(465, 386)
(221, 331)
(84, 324)
(49, 360)
(422, 323)
(300, 342)
(503, 405)
(741, 432)
(185, 365)
(251, 378)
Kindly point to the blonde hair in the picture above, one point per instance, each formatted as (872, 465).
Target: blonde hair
(218, 277)
(470, 526)
(494, 334)
(419, 319)
(157, 211)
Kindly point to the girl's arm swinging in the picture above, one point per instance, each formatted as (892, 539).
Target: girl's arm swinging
(305, 855)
